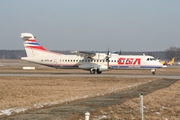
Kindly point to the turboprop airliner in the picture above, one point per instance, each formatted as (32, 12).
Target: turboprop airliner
(93, 62)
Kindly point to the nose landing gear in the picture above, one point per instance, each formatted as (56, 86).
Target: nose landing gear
(153, 71)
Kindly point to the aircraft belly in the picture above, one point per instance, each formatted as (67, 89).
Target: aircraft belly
(87, 66)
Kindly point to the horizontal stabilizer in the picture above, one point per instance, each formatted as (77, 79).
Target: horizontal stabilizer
(27, 36)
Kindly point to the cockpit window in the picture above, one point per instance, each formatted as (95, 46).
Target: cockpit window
(151, 59)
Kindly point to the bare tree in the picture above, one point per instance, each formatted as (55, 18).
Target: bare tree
(173, 52)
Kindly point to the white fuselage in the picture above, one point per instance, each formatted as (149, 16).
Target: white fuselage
(115, 62)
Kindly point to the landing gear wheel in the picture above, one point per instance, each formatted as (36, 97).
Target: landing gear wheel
(153, 73)
(92, 71)
(99, 72)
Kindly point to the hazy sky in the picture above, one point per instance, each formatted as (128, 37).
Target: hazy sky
(130, 25)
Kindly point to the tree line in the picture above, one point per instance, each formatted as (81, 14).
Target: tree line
(173, 52)
(163, 55)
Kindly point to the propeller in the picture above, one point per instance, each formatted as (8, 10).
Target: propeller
(107, 58)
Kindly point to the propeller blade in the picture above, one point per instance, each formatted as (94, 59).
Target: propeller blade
(108, 52)
(120, 52)
(107, 58)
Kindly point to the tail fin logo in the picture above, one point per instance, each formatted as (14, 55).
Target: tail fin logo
(30, 42)
(33, 45)
(33, 48)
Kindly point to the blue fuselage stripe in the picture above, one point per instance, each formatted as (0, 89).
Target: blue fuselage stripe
(113, 67)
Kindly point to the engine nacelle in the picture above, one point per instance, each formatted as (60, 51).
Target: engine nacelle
(103, 68)
(94, 66)
(99, 56)
(86, 66)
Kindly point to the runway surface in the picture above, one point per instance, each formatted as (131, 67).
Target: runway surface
(169, 76)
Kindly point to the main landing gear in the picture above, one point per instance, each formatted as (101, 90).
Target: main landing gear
(92, 71)
(153, 71)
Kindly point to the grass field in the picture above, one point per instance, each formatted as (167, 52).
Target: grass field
(31, 93)
(163, 104)
(36, 92)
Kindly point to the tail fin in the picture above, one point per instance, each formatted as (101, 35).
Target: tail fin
(172, 61)
(31, 46)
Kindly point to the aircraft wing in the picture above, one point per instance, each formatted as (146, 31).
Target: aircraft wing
(91, 55)
(85, 54)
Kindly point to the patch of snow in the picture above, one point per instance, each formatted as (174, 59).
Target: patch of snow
(164, 107)
(53, 103)
(157, 113)
(38, 105)
(11, 110)
(101, 117)
(72, 99)
(18, 110)
(86, 96)
(7, 111)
